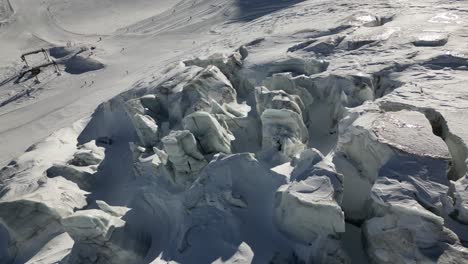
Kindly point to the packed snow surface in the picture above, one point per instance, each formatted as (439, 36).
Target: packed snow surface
(233, 131)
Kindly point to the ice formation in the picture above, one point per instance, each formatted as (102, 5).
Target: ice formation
(262, 132)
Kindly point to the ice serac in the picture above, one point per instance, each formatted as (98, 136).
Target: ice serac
(364, 19)
(454, 255)
(144, 159)
(366, 36)
(286, 82)
(144, 125)
(208, 86)
(229, 186)
(312, 163)
(82, 176)
(308, 209)
(82, 167)
(230, 65)
(278, 99)
(324, 46)
(407, 222)
(220, 210)
(399, 185)
(100, 237)
(320, 47)
(55, 250)
(184, 156)
(258, 68)
(305, 163)
(244, 254)
(283, 128)
(152, 103)
(430, 39)
(31, 204)
(336, 133)
(376, 143)
(460, 195)
(283, 131)
(213, 137)
(88, 154)
(33, 218)
(147, 129)
(117, 211)
(326, 97)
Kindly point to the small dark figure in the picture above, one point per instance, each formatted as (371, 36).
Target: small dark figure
(35, 71)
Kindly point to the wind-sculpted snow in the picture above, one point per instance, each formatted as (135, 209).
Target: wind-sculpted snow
(292, 132)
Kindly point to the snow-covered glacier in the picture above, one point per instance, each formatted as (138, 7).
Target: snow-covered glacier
(252, 132)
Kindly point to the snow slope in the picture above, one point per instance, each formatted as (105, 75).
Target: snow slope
(234, 131)
(104, 17)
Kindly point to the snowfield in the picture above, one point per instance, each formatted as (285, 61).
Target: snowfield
(233, 131)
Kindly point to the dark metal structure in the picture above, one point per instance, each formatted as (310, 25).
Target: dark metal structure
(37, 69)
